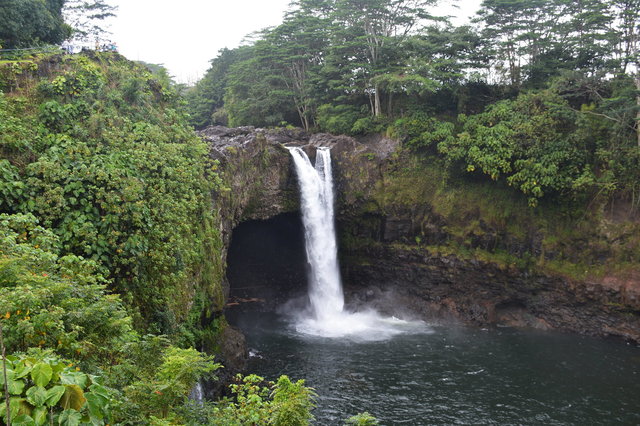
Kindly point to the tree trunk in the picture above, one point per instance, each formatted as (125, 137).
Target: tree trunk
(305, 123)
(4, 372)
(372, 104)
(638, 105)
(302, 113)
(376, 101)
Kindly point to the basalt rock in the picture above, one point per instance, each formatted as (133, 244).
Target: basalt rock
(400, 280)
(412, 242)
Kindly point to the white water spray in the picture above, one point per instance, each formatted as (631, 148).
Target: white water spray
(197, 393)
(316, 190)
(328, 317)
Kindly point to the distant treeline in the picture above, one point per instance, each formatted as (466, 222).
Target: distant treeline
(559, 77)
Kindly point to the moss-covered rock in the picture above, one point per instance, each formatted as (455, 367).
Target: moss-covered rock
(414, 237)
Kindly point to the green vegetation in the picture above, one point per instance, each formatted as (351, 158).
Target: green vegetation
(482, 220)
(362, 419)
(544, 99)
(53, 301)
(25, 23)
(110, 257)
(100, 153)
(110, 252)
(256, 402)
(45, 390)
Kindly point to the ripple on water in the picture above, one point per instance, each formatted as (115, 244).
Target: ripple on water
(455, 375)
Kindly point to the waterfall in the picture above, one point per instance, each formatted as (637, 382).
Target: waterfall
(197, 393)
(327, 316)
(316, 191)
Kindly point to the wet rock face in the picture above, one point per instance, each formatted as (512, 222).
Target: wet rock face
(233, 354)
(384, 242)
(407, 281)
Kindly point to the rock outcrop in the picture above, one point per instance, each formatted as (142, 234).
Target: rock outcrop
(414, 242)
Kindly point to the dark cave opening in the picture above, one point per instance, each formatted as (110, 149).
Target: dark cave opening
(266, 262)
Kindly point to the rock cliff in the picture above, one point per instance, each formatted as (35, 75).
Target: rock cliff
(417, 241)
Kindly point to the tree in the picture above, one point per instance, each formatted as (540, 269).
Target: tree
(532, 41)
(256, 93)
(436, 58)
(376, 28)
(628, 29)
(86, 17)
(26, 23)
(207, 96)
(520, 32)
(296, 48)
(530, 141)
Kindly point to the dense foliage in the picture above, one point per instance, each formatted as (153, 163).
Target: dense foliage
(45, 390)
(101, 155)
(108, 240)
(54, 301)
(256, 402)
(544, 95)
(25, 23)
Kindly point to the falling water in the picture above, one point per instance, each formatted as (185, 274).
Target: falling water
(327, 316)
(197, 393)
(316, 190)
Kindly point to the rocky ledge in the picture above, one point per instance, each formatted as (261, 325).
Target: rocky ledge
(396, 237)
(401, 280)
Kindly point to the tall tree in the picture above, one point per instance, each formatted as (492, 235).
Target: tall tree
(256, 93)
(628, 29)
(376, 28)
(87, 18)
(206, 98)
(533, 40)
(297, 48)
(520, 32)
(438, 57)
(25, 23)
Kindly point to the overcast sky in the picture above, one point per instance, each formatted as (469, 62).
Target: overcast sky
(185, 35)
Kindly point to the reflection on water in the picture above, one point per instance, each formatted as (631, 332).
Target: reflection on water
(450, 375)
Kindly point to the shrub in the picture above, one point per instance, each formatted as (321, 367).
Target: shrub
(44, 390)
(55, 302)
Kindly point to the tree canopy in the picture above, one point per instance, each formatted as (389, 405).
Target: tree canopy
(24, 23)
(354, 66)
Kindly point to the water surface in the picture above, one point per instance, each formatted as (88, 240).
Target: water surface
(454, 375)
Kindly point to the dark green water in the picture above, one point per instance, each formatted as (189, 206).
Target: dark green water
(454, 375)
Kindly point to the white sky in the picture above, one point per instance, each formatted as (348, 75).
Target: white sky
(185, 35)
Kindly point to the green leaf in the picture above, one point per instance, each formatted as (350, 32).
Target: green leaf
(23, 420)
(16, 387)
(96, 404)
(37, 396)
(74, 378)
(100, 390)
(39, 416)
(73, 398)
(41, 374)
(18, 406)
(54, 394)
(22, 370)
(10, 375)
(70, 417)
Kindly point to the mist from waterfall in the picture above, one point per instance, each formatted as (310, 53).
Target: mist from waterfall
(326, 315)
